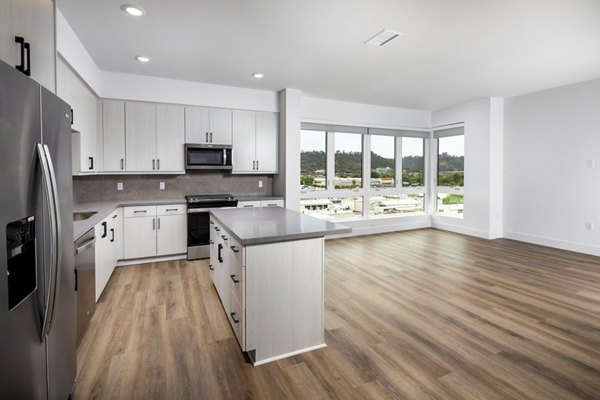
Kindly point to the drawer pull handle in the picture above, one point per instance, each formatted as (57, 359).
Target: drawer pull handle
(171, 209)
(217, 228)
(234, 249)
(248, 205)
(212, 222)
(235, 321)
(140, 211)
(233, 279)
(224, 237)
(211, 267)
(211, 241)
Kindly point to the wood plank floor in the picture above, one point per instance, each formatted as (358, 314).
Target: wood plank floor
(417, 315)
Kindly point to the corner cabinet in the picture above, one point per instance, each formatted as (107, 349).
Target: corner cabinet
(84, 122)
(205, 125)
(33, 20)
(113, 135)
(255, 137)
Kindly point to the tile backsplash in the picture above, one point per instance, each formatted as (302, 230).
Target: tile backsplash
(137, 187)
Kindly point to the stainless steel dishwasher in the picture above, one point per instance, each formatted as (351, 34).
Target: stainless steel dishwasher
(85, 270)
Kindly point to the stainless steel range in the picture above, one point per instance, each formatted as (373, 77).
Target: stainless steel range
(198, 207)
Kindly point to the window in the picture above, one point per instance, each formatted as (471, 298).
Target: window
(413, 162)
(383, 161)
(349, 172)
(450, 171)
(313, 160)
(348, 161)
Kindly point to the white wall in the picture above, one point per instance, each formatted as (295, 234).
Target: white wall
(483, 167)
(341, 112)
(549, 191)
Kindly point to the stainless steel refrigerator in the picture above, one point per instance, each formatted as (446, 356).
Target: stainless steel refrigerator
(37, 277)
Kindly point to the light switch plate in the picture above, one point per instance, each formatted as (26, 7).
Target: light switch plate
(119, 185)
(162, 186)
(260, 184)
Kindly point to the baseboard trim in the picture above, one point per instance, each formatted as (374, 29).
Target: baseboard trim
(460, 229)
(373, 230)
(150, 260)
(556, 243)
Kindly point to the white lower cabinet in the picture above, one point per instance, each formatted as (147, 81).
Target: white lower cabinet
(106, 253)
(151, 231)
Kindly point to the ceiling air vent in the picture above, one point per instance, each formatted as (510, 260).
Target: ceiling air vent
(383, 37)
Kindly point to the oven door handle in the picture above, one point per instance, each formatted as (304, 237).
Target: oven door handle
(199, 210)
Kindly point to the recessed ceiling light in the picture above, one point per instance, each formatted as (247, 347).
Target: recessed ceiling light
(132, 10)
(258, 75)
(142, 59)
(383, 37)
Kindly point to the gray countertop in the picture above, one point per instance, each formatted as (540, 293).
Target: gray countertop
(259, 197)
(104, 208)
(263, 225)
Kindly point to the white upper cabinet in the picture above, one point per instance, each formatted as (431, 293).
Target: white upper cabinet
(170, 137)
(254, 142)
(113, 135)
(33, 20)
(140, 136)
(266, 142)
(83, 104)
(244, 140)
(208, 125)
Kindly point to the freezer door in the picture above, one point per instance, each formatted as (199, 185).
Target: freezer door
(22, 353)
(56, 135)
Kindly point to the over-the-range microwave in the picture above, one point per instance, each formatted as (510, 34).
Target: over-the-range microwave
(207, 156)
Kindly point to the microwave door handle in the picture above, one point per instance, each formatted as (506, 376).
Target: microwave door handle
(224, 157)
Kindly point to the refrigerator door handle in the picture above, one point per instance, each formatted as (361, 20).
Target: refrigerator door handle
(49, 179)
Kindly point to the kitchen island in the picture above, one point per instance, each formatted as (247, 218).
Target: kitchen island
(267, 265)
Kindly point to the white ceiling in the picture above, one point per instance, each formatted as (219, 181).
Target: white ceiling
(451, 51)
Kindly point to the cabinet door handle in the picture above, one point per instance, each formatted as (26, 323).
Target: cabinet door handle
(28, 50)
(153, 164)
(122, 164)
(256, 164)
(217, 228)
(233, 279)
(91, 162)
(153, 223)
(21, 41)
(235, 321)
(211, 241)
(219, 253)
(253, 165)
(234, 249)
(224, 237)
(72, 116)
(105, 233)
(112, 231)
(211, 137)
(210, 267)
(158, 163)
(206, 137)
(158, 223)
(211, 222)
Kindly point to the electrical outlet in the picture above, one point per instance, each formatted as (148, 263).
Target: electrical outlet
(161, 186)
(119, 185)
(260, 184)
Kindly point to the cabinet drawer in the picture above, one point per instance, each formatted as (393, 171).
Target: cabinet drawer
(271, 203)
(248, 204)
(237, 250)
(171, 209)
(237, 317)
(141, 211)
(236, 274)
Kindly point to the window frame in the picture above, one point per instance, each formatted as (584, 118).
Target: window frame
(446, 131)
(366, 191)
